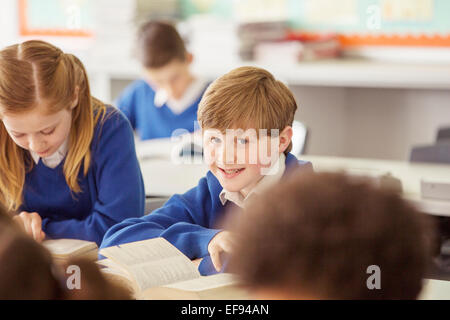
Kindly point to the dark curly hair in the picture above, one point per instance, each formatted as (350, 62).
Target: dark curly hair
(315, 235)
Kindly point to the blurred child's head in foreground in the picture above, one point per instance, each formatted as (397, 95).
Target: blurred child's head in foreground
(28, 272)
(324, 236)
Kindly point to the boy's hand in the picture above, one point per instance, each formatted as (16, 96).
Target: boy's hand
(222, 242)
(31, 223)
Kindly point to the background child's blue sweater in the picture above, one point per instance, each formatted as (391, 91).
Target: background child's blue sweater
(149, 121)
(188, 221)
(112, 191)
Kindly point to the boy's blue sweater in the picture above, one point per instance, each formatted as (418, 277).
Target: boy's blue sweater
(112, 190)
(188, 221)
(149, 121)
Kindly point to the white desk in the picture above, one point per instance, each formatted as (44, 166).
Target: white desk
(164, 178)
(409, 173)
(435, 290)
(164, 173)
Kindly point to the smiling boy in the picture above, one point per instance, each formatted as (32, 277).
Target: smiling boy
(246, 117)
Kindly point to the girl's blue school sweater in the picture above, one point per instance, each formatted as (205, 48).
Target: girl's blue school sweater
(112, 190)
(188, 221)
(149, 121)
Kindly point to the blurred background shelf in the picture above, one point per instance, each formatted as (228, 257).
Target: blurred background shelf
(349, 72)
(391, 92)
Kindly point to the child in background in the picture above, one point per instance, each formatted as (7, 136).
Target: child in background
(68, 166)
(28, 272)
(248, 98)
(322, 236)
(167, 99)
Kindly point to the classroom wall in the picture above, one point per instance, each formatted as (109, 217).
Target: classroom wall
(378, 123)
(322, 110)
(371, 122)
(357, 122)
(8, 22)
(344, 16)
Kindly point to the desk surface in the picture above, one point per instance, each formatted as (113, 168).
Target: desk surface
(163, 177)
(409, 173)
(435, 290)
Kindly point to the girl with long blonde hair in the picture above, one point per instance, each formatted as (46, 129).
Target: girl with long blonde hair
(68, 165)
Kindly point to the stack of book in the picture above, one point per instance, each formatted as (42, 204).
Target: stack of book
(65, 249)
(156, 9)
(252, 34)
(298, 47)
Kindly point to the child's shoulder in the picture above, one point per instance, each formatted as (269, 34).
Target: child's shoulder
(213, 182)
(207, 187)
(293, 162)
(111, 117)
(112, 122)
(137, 86)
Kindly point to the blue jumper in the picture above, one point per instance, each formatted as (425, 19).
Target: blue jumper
(150, 121)
(188, 221)
(112, 190)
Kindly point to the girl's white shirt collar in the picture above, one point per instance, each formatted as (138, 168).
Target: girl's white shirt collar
(55, 159)
(191, 94)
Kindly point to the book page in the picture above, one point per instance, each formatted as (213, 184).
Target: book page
(109, 266)
(103, 263)
(162, 272)
(141, 251)
(153, 262)
(63, 247)
(205, 282)
(115, 271)
(215, 287)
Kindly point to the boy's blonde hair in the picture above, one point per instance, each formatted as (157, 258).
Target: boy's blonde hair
(244, 98)
(37, 72)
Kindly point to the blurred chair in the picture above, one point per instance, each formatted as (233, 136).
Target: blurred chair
(443, 135)
(299, 138)
(438, 153)
(153, 203)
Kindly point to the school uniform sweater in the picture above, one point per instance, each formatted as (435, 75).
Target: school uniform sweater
(112, 190)
(188, 221)
(150, 122)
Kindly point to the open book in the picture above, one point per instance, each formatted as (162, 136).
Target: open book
(63, 249)
(155, 269)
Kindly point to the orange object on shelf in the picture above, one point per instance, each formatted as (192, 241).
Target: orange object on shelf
(26, 30)
(355, 40)
(395, 40)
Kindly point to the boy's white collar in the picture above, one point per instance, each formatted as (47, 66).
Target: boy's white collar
(276, 172)
(55, 159)
(191, 94)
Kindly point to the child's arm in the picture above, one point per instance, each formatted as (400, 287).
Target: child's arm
(185, 221)
(31, 223)
(116, 184)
